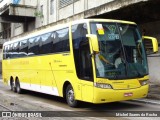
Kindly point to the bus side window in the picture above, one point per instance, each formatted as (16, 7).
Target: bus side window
(10, 51)
(30, 46)
(23, 49)
(7, 52)
(15, 53)
(46, 44)
(4, 52)
(61, 40)
(36, 47)
(33, 48)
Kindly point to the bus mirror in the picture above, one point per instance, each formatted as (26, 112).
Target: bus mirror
(94, 42)
(151, 44)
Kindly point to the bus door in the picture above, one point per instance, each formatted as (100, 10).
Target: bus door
(86, 73)
(83, 64)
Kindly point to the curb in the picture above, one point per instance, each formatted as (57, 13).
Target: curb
(154, 96)
(150, 101)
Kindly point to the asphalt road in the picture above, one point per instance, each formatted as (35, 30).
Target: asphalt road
(33, 101)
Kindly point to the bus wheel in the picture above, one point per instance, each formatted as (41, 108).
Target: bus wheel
(18, 88)
(70, 98)
(12, 84)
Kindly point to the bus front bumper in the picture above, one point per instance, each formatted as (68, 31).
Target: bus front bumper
(111, 95)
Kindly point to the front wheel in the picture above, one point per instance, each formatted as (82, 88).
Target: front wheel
(70, 98)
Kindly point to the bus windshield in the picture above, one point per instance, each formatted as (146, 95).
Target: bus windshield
(122, 54)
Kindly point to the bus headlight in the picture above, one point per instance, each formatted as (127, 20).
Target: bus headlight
(143, 82)
(103, 85)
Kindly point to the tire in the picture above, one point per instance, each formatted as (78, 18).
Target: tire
(12, 84)
(70, 98)
(18, 88)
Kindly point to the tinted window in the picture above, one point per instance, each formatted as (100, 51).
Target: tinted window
(10, 51)
(7, 51)
(23, 50)
(33, 48)
(82, 53)
(46, 44)
(4, 52)
(57, 41)
(61, 40)
(15, 50)
(79, 32)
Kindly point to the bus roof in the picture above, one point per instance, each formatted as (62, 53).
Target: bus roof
(60, 26)
(104, 20)
(116, 21)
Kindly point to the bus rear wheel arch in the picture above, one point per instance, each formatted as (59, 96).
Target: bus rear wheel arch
(70, 96)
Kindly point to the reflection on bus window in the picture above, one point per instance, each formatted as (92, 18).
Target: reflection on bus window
(23, 50)
(34, 46)
(61, 40)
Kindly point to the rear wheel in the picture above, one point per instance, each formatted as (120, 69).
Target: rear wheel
(18, 88)
(12, 84)
(70, 98)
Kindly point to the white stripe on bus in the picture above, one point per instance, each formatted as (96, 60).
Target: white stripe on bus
(40, 88)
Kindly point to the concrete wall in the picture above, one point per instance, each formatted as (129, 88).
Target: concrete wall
(21, 2)
(95, 3)
(72, 9)
(47, 18)
(42, 20)
(53, 17)
(76, 8)
(16, 29)
(80, 6)
(154, 69)
(68, 12)
(28, 2)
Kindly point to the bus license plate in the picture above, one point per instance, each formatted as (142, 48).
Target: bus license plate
(128, 94)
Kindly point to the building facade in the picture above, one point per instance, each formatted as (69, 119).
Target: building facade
(18, 17)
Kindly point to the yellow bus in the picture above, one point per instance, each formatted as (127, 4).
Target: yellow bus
(91, 60)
